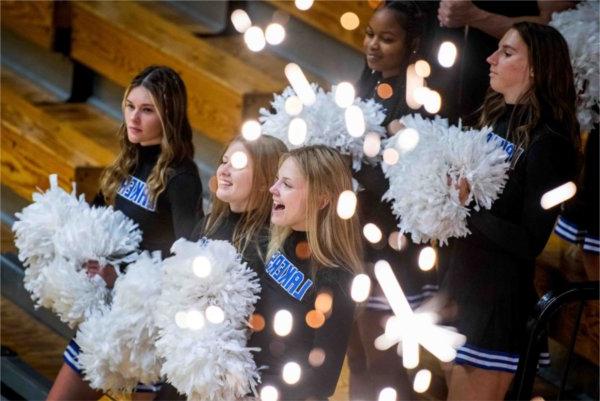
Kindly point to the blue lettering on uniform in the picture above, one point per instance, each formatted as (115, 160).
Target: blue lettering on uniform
(289, 278)
(136, 191)
(508, 147)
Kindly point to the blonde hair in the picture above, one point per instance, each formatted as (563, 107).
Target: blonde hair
(169, 97)
(264, 153)
(333, 242)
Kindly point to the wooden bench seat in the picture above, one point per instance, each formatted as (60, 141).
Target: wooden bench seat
(324, 15)
(118, 39)
(41, 136)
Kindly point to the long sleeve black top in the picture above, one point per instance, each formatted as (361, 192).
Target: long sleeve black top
(288, 285)
(176, 210)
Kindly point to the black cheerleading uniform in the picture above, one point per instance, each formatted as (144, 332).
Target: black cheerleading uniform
(288, 284)
(172, 216)
(578, 223)
(488, 276)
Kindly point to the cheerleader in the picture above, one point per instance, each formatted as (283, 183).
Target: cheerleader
(488, 276)
(392, 41)
(311, 252)
(154, 181)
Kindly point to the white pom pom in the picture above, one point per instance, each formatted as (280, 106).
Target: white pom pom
(325, 121)
(207, 361)
(581, 31)
(422, 182)
(118, 344)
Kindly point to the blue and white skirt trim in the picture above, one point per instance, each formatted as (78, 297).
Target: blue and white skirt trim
(572, 233)
(493, 360)
(71, 358)
(381, 302)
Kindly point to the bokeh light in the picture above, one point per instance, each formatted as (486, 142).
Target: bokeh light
(344, 94)
(297, 131)
(447, 54)
(315, 319)
(385, 91)
(372, 233)
(304, 4)
(239, 159)
(251, 130)
(283, 322)
(372, 144)
(355, 121)
(422, 381)
(293, 105)
(346, 205)
(422, 68)
(240, 20)
(316, 357)
(214, 314)
(257, 322)
(201, 266)
(427, 258)
(390, 156)
(300, 84)
(361, 286)
(558, 195)
(255, 38)
(349, 21)
(274, 34)
(291, 373)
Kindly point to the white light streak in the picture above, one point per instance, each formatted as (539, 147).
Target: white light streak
(413, 81)
(293, 105)
(275, 34)
(420, 94)
(361, 287)
(255, 38)
(346, 205)
(344, 94)
(239, 159)
(251, 130)
(214, 314)
(283, 322)
(447, 54)
(427, 258)
(291, 373)
(300, 84)
(558, 195)
(372, 144)
(355, 121)
(240, 20)
(422, 381)
(297, 131)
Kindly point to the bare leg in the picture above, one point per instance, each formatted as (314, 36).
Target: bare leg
(69, 386)
(470, 383)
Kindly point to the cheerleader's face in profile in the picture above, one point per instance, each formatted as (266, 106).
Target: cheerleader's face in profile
(290, 193)
(510, 72)
(384, 43)
(144, 126)
(234, 183)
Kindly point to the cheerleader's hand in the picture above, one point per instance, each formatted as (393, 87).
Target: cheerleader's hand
(107, 273)
(394, 126)
(463, 188)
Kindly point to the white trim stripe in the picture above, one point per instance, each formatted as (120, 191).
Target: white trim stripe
(489, 355)
(569, 227)
(566, 234)
(483, 363)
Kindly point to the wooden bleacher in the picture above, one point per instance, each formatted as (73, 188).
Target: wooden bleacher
(222, 90)
(324, 15)
(35, 21)
(42, 135)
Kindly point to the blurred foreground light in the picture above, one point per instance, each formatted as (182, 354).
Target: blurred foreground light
(387, 394)
(433, 102)
(372, 233)
(558, 195)
(324, 302)
(282, 323)
(346, 205)
(407, 140)
(316, 357)
(303, 4)
(300, 84)
(201, 266)
(240, 20)
(355, 121)
(344, 94)
(291, 373)
(361, 286)
(372, 144)
(255, 39)
(195, 320)
(427, 258)
(274, 34)
(297, 131)
(181, 320)
(422, 381)
(251, 130)
(422, 68)
(293, 105)
(390, 156)
(349, 21)
(413, 81)
(239, 160)
(269, 393)
(214, 314)
(447, 54)
(315, 319)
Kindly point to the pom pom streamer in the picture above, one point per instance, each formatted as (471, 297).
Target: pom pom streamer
(422, 183)
(212, 362)
(55, 235)
(581, 29)
(118, 343)
(325, 121)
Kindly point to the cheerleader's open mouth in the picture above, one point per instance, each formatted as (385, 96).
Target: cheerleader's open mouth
(278, 206)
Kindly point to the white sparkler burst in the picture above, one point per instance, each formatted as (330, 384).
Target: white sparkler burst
(409, 329)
